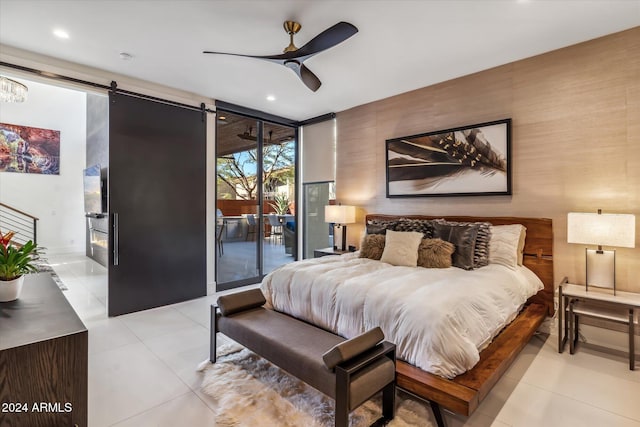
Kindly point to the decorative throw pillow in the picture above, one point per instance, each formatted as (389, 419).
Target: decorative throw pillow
(504, 245)
(401, 248)
(481, 249)
(372, 246)
(435, 253)
(464, 239)
(380, 226)
(423, 226)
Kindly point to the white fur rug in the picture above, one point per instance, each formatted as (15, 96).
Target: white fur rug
(250, 391)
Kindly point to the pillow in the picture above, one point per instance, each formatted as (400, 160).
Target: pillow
(435, 253)
(424, 226)
(380, 226)
(505, 244)
(523, 237)
(401, 248)
(464, 239)
(372, 246)
(481, 249)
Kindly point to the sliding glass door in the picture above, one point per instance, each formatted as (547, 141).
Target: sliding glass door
(255, 198)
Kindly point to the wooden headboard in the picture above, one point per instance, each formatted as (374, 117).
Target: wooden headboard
(538, 247)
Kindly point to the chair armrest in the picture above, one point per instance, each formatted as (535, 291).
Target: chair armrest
(352, 347)
(240, 301)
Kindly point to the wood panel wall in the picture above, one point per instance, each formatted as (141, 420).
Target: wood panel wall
(575, 142)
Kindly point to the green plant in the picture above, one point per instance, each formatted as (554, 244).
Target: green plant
(16, 260)
(280, 203)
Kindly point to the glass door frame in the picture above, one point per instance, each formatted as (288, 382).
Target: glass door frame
(260, 227)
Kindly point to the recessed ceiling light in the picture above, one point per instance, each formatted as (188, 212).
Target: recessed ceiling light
(271, 98)
(60, 33)
(222, 117)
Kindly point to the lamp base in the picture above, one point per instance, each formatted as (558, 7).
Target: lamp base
(601, 269)
(343, 238)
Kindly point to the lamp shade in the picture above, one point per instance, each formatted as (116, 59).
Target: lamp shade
(340, 214)
(602, 229)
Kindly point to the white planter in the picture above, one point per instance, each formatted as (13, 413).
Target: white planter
(10, 290)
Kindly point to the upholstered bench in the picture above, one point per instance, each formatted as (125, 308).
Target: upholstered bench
(349, 371)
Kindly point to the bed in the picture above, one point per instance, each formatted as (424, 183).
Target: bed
(347, 295)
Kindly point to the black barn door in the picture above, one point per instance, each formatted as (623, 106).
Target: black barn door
(157, 204)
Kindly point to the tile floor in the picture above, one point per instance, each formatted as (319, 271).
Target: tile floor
(142, 369)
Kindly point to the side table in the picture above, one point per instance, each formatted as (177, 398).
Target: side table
(327, 251)
(43, 358)
(575, 301)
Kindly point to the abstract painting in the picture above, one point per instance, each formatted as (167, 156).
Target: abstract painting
(25, 149)
(466, 161)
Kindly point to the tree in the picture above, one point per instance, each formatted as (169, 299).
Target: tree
(238, 170)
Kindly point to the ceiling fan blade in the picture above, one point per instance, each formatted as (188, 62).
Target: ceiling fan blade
(308, 78)
(326, 39)
(273, 58)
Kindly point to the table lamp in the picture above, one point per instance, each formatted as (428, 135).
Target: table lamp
(340, 216)
(600, 229)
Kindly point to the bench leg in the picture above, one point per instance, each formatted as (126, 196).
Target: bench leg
(389, 401)
(437, 413)
(342, 413)
(213, 329)
(342, 398)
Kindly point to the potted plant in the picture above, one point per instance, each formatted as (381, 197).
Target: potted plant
(280, 203)
(15, 262)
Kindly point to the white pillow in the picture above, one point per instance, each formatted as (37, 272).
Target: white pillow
(523, 237)
(504, 247)
(401, 248)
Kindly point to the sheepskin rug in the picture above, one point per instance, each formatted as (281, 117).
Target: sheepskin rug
(250, 391)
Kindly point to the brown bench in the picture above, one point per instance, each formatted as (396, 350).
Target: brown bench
(349, 371)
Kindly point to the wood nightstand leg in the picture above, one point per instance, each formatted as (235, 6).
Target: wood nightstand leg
(571, 320)
(566, 322)
(560, 315)
(632, 348)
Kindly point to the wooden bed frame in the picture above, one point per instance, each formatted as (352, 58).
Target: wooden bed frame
(464, 393)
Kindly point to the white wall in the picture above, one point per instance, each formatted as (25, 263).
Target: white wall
(28, 59)
(57, 200)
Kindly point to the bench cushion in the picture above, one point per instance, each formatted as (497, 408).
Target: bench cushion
(262, 330)
(235, 303)
(352, 347)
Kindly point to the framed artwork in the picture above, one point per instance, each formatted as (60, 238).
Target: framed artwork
(472, 160)
(25, 149)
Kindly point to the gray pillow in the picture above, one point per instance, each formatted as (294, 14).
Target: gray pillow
(463, 237)
(423, 226)
(380, 226)
(482, 245)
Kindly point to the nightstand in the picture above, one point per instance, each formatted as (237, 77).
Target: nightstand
(327, 251)
(575, 301)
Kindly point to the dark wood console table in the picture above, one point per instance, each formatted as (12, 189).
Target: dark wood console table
(43, 358)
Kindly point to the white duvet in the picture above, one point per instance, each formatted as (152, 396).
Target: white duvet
(439, 319)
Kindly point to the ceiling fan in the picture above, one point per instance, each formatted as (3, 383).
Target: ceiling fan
(294, 57)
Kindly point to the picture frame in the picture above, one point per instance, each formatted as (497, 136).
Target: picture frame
(473, 160)
(29, 150)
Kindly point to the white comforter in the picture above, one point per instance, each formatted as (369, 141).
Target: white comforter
(440, 319)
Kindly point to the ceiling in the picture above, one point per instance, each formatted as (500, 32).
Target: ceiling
(401, 45)
(237, 133)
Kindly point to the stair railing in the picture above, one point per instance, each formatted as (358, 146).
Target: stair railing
(25, 225)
